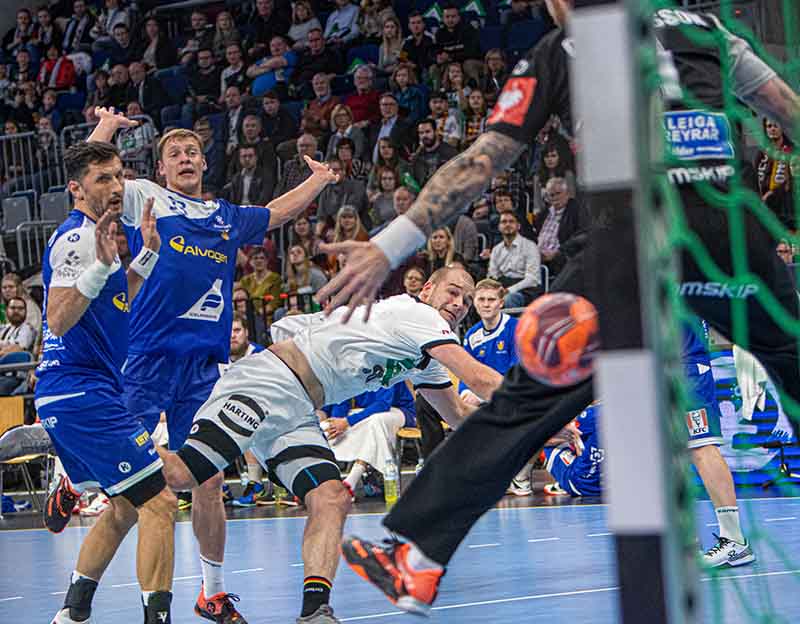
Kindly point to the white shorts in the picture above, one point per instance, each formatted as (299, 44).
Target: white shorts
(260, 405)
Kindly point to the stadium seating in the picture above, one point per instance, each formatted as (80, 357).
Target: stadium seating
(16, 210)
(54, 206)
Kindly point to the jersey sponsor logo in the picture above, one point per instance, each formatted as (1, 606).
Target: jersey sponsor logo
(521, 67)
(73, 258)
(501, 345)
(697, 422)
(209, 306)
(48, 364)
(50, 341)
(178, 243)
(141, 438)
(686, 175)
(120, 301)
(717, 289)
(74, 237)
(514, 102)
(698, 135)
(50, 423)
(124, 467)
(567, 457)
(67, 273)
(675, 17)
(242, 415)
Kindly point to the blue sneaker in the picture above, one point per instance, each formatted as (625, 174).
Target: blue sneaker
(227, 495)
(251, 495)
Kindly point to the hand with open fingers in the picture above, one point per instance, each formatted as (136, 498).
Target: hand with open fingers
(359, 280)
(321, 170)
(110, 114)
(336, 427)
(105, 235)
(150, 235)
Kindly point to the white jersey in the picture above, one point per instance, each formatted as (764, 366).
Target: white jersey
(356, 357)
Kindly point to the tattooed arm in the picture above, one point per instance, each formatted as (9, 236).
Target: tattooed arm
(777, 101)
(462, 180)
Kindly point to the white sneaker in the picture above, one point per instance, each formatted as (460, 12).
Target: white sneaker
(554, 489)
(96, 507)
(727, 553)
(62, 617)
(519, 487)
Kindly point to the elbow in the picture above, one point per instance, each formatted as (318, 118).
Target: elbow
(56, 327)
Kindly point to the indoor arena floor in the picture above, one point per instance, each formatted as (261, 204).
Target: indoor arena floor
(529, 558)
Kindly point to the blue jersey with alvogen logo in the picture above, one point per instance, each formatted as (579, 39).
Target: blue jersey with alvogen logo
(93, 350)
(185, 306)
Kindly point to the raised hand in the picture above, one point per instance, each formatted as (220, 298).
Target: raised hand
(111, 116)
(358, 282)
(105, 236)
(322, 170)
(150, 235)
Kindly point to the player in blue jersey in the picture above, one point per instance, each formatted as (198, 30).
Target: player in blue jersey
(181, 321)
(79, 395)
(575, 457)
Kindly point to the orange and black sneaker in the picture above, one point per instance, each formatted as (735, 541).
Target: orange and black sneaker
(386, 567)
(218, 608)
(59, 505)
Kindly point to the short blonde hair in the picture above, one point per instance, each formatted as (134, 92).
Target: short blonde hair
(490, 284)
(177, 134)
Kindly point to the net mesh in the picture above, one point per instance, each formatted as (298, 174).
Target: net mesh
(768, 591)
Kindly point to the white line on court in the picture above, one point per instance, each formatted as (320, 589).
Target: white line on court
(780, 519)
(297, 565)
(11, 598)
(247, 570)
(543, 539)
(483, 545)
(706, 579)
(598, 534)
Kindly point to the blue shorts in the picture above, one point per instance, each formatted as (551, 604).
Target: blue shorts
(703, 416)
(580, 475)
(99, 442)
(176, 386)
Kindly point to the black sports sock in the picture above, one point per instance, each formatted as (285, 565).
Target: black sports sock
(316, 592)
(157, 610)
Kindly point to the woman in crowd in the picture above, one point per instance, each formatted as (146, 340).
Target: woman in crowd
(342, 126)
(556, 163)
(474, 118)
(155, 49)
(387, 157)
(302, 275)
(495, 74)
(391, 45)
(347, 227)
(101, 96)
(57, 70)
(775, 175)
(303, 22)
(382, 203)
(225, 34)
(413, 281)
(406, 91)
(456, 87)
(372, 16)
(353, 167)
(303, 234)
(440, 250)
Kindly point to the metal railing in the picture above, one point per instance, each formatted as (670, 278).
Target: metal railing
(32, 238)
(30, 161)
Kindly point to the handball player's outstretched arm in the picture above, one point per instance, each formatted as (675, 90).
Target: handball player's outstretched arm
(447, 194)
(289, 205)
(110, 122)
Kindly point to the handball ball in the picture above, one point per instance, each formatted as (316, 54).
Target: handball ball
(557, 337)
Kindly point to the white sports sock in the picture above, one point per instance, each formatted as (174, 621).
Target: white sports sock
(524, 474)
(76, 576)
(356, 472)
(146, 597)
(419, 561)
(255, 473)
(729, 527)
(213, 577)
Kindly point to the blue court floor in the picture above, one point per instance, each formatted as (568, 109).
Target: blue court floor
(517, 565)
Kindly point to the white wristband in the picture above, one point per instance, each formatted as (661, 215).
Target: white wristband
(92, 280)
(144, 262)
(400, 239)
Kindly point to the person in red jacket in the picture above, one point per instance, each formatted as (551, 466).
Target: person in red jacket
(57, 71)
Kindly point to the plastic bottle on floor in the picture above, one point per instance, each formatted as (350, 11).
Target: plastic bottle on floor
(390, 481)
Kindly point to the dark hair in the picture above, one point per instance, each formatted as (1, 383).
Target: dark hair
(270, 95)
(18, 298)
(79, 156)
(206, 49)
(119, 25)
(560, 146)
(450, 5)
(416, 13)
(345, 142)
(427, 121)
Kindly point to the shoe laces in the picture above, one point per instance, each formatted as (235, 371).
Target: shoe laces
(721, 544)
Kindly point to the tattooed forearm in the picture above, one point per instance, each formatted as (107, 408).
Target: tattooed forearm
(462, 180)
(777, 101)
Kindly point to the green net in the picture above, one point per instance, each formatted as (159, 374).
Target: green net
(769, 590)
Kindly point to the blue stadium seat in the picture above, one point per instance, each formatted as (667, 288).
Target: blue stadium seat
(99, 59)
(491, 37)
(16, 210)
(175, 83)
(369, 53)
(54, 207)
(30, 195)
(71, 101)
(522, 36)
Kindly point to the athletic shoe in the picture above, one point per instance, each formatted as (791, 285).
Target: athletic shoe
(158, 607)
(77, 607)
(184, 501)
(727, 553)
(59, 505)
(323, 615)
(251, 495)
(96, 507)
(519, 487)
(554, 489)
(386, 567)
(218, 608)
(227, 495)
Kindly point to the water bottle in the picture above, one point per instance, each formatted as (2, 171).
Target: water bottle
(390, 482)
(418, 467)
